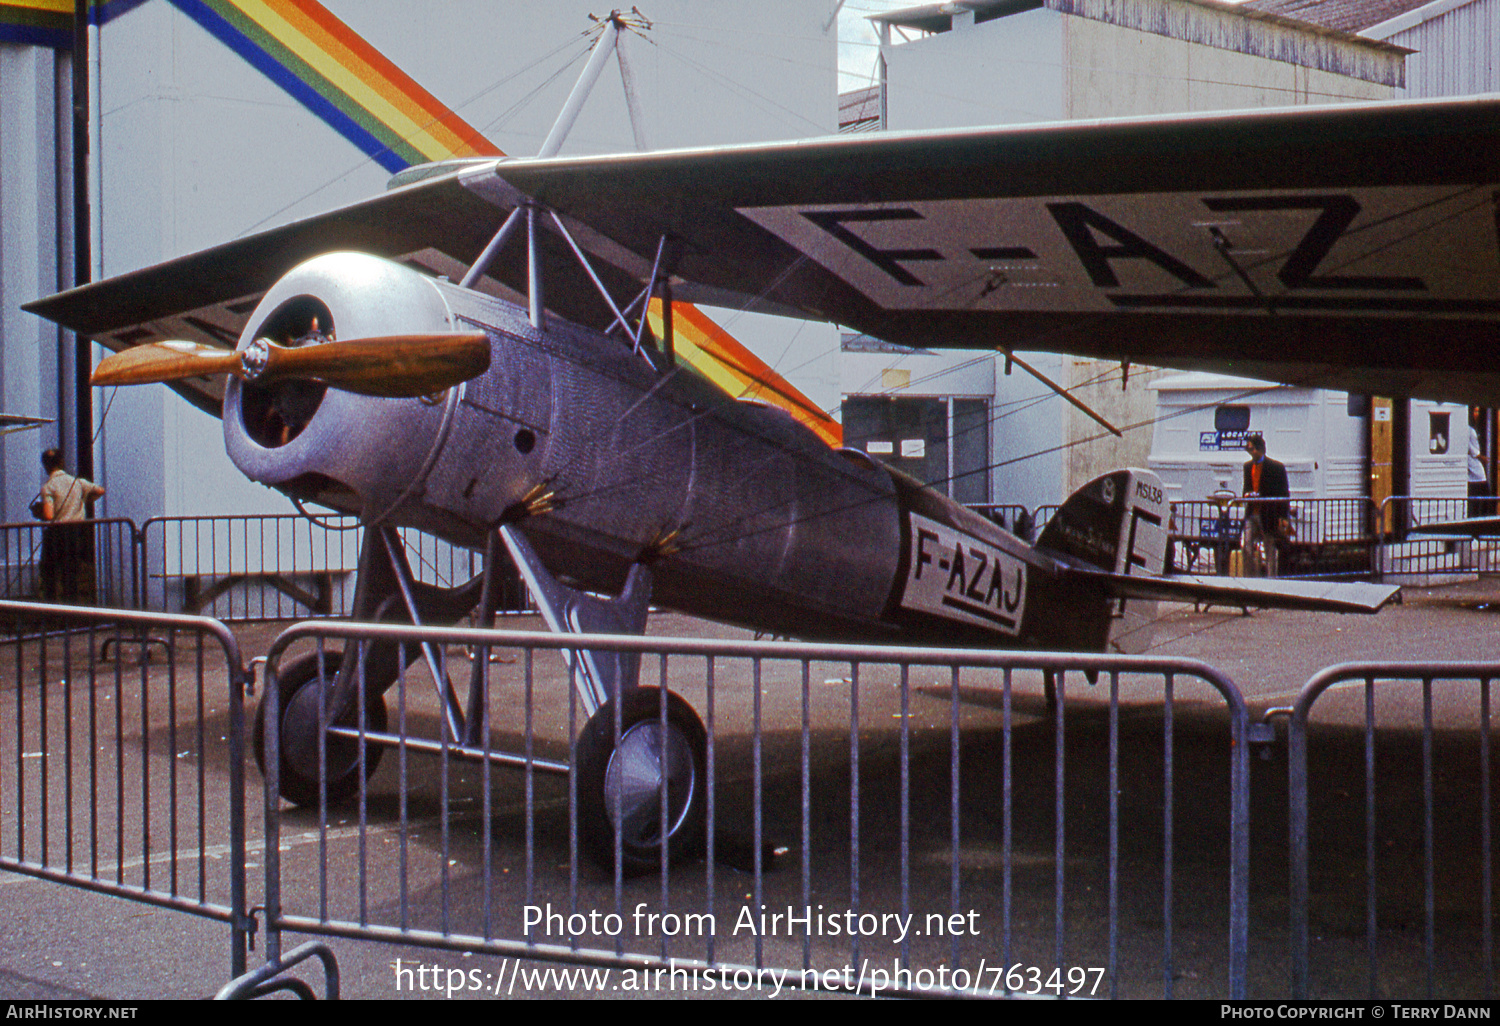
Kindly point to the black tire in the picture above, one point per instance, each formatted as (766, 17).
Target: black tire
(619, 787)
(299, 684)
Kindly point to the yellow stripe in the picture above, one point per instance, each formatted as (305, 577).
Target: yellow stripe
(361, 92)
(376, 78)
(742, 374)
(416, 135)
(53, 6)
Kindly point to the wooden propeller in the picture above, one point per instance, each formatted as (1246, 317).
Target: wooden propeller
(392, 366)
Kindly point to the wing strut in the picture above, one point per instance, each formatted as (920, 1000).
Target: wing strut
(1012, 358)
(495, 245)
(1225, 248)
(603, 47)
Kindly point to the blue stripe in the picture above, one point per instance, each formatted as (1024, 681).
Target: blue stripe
(303, 93)
(108, 11)
(31, 35)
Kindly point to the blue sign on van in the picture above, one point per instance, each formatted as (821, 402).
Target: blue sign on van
(1221, 441)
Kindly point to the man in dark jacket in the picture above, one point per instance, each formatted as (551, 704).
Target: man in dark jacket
(1266, 523)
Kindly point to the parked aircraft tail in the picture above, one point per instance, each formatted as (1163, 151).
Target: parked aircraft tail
(1118, 524)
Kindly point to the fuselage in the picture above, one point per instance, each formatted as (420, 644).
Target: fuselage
(604, 456)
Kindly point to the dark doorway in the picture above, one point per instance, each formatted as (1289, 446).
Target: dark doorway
(941, 442)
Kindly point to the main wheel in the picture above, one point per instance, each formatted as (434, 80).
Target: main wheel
(620, 785)
(301, 682)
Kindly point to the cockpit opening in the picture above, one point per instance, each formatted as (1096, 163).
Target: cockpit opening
(274, 414)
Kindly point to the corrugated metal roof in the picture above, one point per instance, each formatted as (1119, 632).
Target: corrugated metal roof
(1260, 28)
(859, 110)
(1339, 15)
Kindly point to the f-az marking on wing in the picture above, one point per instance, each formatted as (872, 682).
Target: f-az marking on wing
(1366, 251)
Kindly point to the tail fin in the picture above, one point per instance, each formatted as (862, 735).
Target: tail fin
(1116, 523)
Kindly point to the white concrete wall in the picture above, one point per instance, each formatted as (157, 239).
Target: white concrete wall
(28, 266)
(1029, 423)
(1003, 72)
(1117, 72)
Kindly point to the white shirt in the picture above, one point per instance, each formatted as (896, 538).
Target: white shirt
(68, 495)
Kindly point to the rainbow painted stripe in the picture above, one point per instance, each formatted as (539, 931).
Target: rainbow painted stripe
(299, 45)
(719, 357)
(336, 74)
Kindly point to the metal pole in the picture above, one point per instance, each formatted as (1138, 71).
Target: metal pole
(632, 107)
(82, 248)
(534, 272)
(569, 114)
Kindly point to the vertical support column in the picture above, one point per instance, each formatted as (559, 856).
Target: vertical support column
(669, 347)
(632, 107)
(534, 273)
(32, 169)
(569, 114)
(883, 82)
(1381, 457)
(82, 242)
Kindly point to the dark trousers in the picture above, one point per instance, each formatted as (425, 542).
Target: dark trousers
(1479, 499)
(66, 549)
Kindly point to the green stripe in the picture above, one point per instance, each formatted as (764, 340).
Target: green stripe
(32, 17)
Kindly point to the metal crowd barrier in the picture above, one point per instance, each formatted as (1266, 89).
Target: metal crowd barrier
(123, 768)
(259, 567)
(1330, 536)
(1428, 878)
(281, 566)
(1405, 553)
(287, 566)
(875, 820)
(1013, 517)
(100, 569)
(1040, 517)
(974, 836)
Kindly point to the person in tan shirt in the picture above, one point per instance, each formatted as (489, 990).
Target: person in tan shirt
(67, 541)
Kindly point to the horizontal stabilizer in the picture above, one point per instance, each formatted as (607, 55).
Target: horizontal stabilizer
(1254, 592)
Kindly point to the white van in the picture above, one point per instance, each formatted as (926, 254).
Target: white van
(1202, 420)
(1198, 449)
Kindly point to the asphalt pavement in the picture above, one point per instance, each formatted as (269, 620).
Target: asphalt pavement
(64, 943)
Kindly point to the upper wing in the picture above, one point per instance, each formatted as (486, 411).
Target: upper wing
(1349, 247)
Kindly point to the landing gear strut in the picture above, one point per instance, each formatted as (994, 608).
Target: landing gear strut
(642, 777)
(640, 758)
